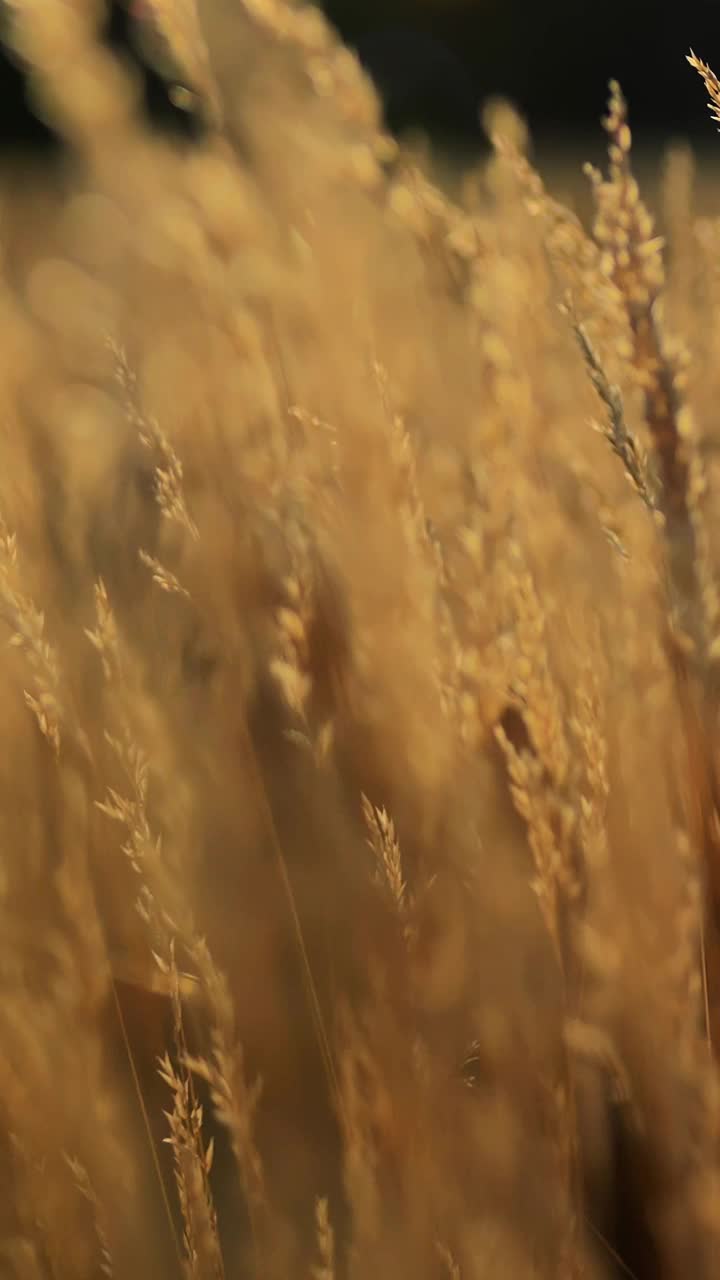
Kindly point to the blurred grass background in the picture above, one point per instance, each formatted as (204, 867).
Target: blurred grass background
(411, 603)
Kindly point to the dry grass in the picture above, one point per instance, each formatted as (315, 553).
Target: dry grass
(359, 834)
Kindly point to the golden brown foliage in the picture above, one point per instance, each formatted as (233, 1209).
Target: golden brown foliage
(359, 837)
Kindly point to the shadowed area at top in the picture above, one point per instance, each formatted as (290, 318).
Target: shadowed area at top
(422, 81)
(24, 134)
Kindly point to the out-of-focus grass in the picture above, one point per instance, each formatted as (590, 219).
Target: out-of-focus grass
(359, 856)
(561, 162)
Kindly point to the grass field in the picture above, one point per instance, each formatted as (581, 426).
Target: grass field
(359, 792)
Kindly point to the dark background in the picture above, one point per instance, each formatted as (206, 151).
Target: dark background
(436, 61)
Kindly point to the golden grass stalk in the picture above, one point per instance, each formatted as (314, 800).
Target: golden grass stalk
(711, 82)
(325, 1268)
